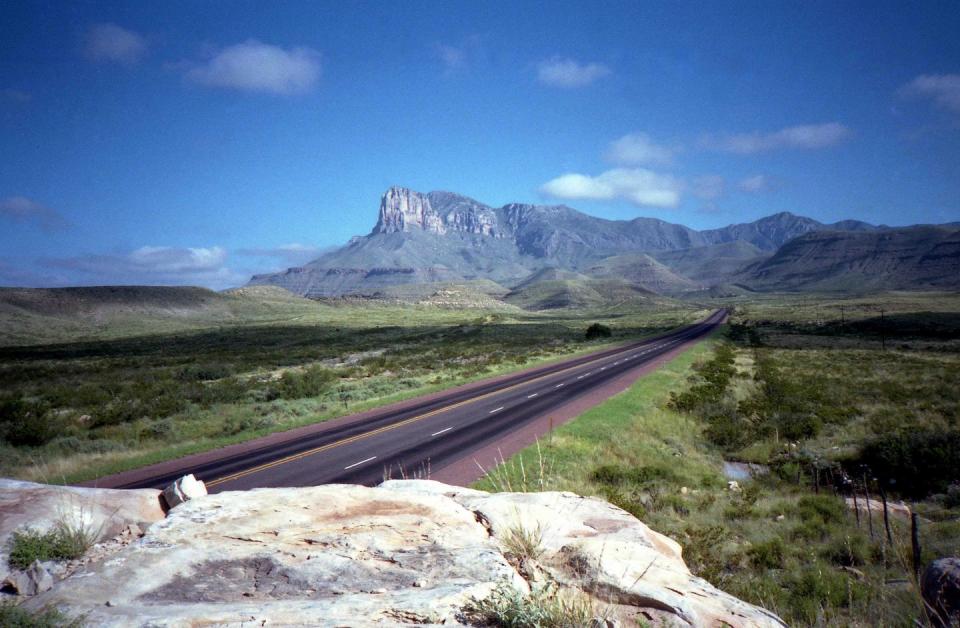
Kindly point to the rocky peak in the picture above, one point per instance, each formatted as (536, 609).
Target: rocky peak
(403, 210)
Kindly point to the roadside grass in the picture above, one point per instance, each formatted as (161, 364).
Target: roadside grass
(776, 541)
(82, 410)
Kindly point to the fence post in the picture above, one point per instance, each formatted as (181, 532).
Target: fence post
(856, 505)
(886, 515)
(915, 542)
(866, 495)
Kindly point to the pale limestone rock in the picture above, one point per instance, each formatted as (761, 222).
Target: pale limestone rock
(33, 580)
(328, 555)
(592, 545)
(408, 552)
(186, 488)
(102, 512)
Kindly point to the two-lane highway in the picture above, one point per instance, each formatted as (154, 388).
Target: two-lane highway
(438, 432)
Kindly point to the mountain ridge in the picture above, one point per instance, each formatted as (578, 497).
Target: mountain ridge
(443, 236)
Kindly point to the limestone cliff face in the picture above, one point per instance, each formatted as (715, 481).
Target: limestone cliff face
(403, 210)
(404, 553)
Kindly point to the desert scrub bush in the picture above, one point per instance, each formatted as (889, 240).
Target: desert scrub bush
(819, 587)
(596, 330)
(523, 543)
(63, 542)
(310, 382)
(711, 381)
(917, 462)
(615, 475)
(545, 607)
(27, 423)
(12, 616)
(769, 554)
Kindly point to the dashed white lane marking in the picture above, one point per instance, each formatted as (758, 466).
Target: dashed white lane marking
(356, 464)
(559, 386)
(581, 376)
(616, 363)
(586, 374)
(603, 368)
(441, 431)
(532, 396)
(496, 410)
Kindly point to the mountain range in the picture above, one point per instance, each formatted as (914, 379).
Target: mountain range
(442, 237)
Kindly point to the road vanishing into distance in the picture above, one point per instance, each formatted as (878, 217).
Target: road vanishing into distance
(409, 438)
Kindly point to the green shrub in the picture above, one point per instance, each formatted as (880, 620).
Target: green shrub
(16, 617)
(821, 508)
(597, 330)
(26, 423)
(62, 542)
(917, 462)
(768, 555)
(310, 382)
(204, 372)
(818, 587)
(545, 607)
(615, 475)
(847, 551)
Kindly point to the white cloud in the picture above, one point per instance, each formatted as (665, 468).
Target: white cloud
(109, 42)
(809, 136)
(756, 183)
(25, 210)
(258, 67)
(457, 58)
(568, 74)
(452, 57)
(638, 149)
(293, 254)
(708, 187)
(637, 185)
(943, 89)
(151, 265)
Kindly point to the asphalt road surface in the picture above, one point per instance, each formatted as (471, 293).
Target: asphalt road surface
(410, 441)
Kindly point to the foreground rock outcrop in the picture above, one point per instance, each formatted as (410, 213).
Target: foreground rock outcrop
(404, 553)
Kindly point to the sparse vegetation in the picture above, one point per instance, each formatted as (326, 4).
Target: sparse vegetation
(81, 409)
(544, 607)
(12, 616)
(813, 401)
(596, 330)
(62, 542)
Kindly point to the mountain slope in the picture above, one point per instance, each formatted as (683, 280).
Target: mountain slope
(644, 271)
(904, 258)
(445, 237)
(713, 263)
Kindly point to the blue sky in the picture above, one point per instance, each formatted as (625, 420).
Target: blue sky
(201, 142)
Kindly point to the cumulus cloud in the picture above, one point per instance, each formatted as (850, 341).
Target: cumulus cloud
(151, 265)
(258, 67)
(756, 183)
(638, 149)
(568, 73)
(943, 89)
(639, 186)
(293, 254)
(112, 43)
(24, 210)
(15, 95)
(708, 187)
(808, 137)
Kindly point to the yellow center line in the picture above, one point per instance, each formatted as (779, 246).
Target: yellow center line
(387, 428)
